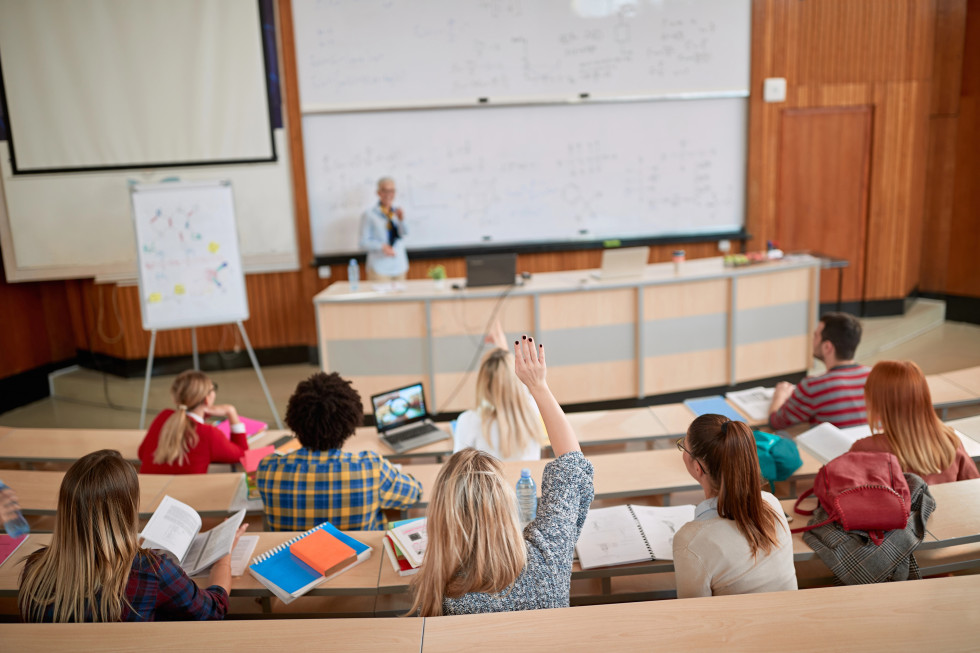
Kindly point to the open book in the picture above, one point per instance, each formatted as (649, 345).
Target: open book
(825, 441)
(754, 402)
(175, 529)
(625, 534)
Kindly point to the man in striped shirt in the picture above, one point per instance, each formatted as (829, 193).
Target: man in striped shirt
(836, 396)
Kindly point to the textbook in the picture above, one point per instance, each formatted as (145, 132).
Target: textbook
(8, 545)
(626, 534)
(754, 402)
(175, 529)
(288, 577)
(410, 536)
(399, 562)
(825, 441)
(323, 552)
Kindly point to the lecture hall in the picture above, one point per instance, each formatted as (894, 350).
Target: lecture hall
(471, 324)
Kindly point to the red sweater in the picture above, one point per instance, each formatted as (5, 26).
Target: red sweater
(212, 447)
(961, 469)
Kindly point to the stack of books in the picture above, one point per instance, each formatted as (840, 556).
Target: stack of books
(405, 542)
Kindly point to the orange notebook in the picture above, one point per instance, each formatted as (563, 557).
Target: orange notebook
(323, 552)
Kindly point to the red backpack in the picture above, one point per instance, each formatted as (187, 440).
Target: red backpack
(864, 491)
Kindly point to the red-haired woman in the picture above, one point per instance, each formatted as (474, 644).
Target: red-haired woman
(739, 541)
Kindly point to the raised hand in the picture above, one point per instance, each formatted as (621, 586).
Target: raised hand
(529, 364)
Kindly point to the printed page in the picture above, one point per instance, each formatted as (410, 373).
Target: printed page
(412, 539)
(172, 527)
(825, 441)
(610, 536)
(754, 402)
(660, 524)
(214, 544)
(242, 553)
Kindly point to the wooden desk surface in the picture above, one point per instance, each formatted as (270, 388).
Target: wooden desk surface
(936, 614)
(968, 378)
(968, 426)
(357, 635)
(945, 391)
(361, 580)
(67, 445)
(211, 495)
(38, 491)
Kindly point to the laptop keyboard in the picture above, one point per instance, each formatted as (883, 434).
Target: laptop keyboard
(408, 434)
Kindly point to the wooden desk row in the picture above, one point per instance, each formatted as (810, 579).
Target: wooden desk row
(956, 521)
(936, 614)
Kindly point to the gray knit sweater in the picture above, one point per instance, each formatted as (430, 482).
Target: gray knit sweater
(566, 493)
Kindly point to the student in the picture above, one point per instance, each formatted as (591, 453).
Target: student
(319, 482)
(180, 442)
(477, 558)
(506, 422)
(837, 396)
(904, 423)
(739, 541)
(94, 569)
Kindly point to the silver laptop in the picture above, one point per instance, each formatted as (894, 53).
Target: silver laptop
(402, 419)
(619, 263)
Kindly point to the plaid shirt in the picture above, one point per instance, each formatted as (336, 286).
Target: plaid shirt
(306, 487)
(159, 590)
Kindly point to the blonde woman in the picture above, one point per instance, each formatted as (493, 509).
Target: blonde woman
(180, 442)
(94, 569)
(506, 422)
(903, 422)
(478, 558)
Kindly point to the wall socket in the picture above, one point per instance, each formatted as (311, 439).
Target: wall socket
(323, 271)
(774, 89)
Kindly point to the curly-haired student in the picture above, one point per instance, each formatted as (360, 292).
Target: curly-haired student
(319, 482)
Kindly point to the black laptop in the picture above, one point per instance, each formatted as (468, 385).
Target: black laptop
(491, 270)
(402, 419)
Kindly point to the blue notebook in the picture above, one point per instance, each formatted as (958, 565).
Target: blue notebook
(288, 577)
(716, 405)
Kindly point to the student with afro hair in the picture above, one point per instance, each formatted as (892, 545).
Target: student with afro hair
(319, 482)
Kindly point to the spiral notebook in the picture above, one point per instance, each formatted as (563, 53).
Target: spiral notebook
(288, 577)
(622, 535)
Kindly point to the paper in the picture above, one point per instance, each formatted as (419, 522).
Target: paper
(252, 426)
(215, 544)
(172, 527)
(242, 553)
(754, 402)
(825, 441)
(623, 535)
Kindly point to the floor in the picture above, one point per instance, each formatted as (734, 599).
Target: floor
(87, 399)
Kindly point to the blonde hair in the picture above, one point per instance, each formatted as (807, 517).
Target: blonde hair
(83, 574)
(500, 398)
(475, 541)
(899, 406)
(179, 433)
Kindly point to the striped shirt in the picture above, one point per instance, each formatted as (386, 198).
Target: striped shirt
(836, 397)
(306, 488)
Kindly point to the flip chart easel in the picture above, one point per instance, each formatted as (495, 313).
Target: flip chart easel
(190, 268)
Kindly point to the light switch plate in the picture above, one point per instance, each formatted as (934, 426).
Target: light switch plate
(774, 89)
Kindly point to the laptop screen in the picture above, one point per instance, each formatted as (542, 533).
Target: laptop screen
(491, 270)
(399, 407)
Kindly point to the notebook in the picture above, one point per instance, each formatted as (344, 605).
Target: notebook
(323, 552)
(402, 420)
(623, 535)
(288, 577)
(754, 402)
(10, 544)
(253, 427)
(620, 263)
(713, 405)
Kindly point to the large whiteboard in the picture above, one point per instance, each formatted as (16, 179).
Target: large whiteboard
(531, 173)
(384, 53)
(190, 268)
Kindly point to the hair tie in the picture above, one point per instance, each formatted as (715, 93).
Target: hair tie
(486, 405)
(181, 407)
(724, 427)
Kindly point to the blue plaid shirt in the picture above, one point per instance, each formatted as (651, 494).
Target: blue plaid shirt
(305, 488)
(159, 590)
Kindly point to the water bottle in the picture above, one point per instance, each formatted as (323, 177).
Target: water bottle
(15, 525)
(527, 497)
(353, 274)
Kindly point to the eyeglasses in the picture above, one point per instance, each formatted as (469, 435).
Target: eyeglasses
(214, 387)
(680, 447)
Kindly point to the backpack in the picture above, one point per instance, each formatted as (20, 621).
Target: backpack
(863, 491)
(778, 457)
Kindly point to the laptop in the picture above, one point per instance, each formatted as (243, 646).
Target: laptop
(623, 262)
(491, 270)
(402, 420)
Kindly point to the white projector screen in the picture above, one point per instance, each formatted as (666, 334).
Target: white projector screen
(103, 84)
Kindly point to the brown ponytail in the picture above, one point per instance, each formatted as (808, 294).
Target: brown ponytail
(727, 451)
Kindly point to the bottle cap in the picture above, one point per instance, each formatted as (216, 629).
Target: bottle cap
(525, 473)
(353, 261)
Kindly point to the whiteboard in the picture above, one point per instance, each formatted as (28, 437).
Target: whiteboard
(190, 268)
(531, 174)
(398, 53)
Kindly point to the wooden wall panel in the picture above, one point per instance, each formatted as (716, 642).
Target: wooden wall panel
(938, 210)
(947, 63)
(823, 190)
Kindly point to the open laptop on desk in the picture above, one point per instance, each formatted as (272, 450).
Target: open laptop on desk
(402, 420)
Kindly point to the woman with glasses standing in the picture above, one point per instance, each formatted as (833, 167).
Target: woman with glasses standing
(180, 442)
(739, 541)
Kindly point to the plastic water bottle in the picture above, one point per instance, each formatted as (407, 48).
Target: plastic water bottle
(527, 497)
(15, 525)
(353, 274)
